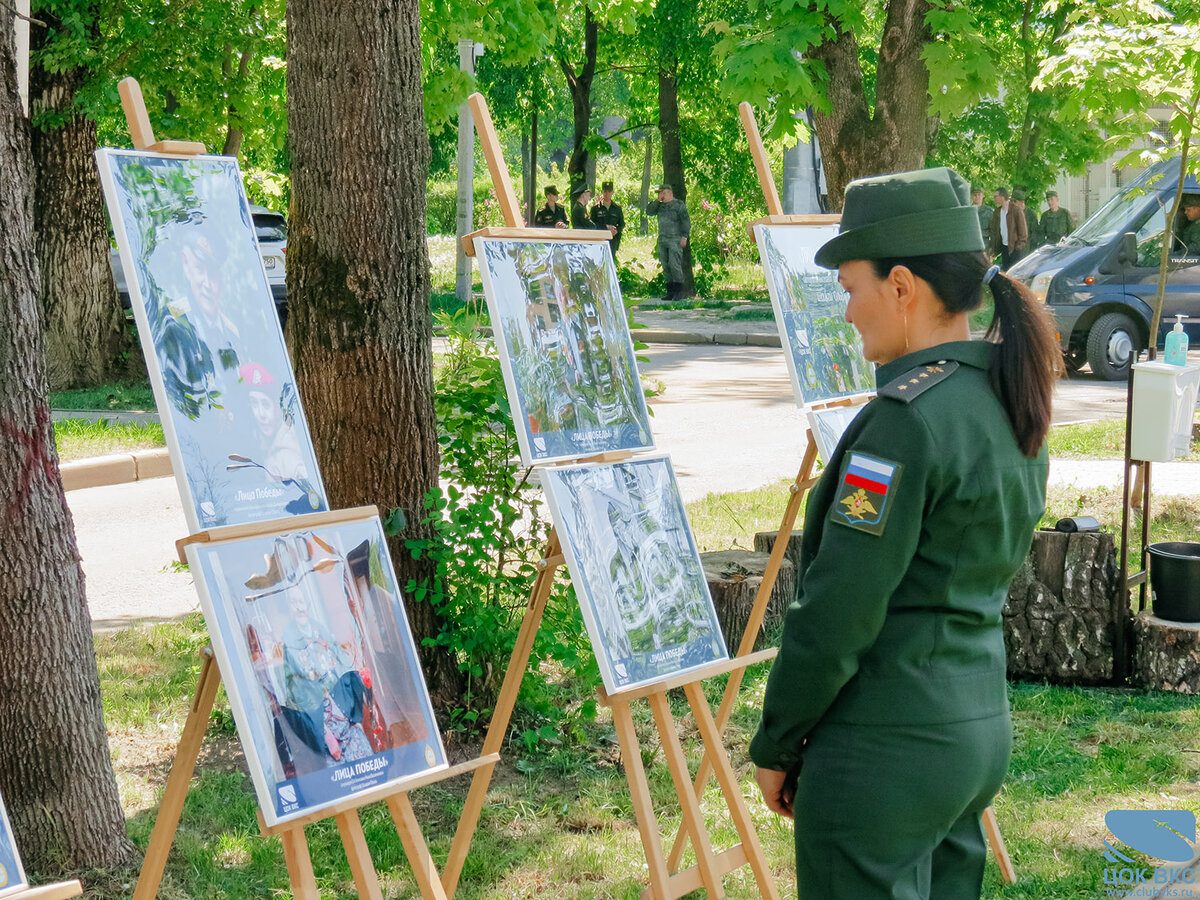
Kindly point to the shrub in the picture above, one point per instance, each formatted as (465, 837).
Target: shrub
(490, 530)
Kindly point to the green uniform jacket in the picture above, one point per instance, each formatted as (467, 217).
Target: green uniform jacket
(673, 219)
(898, 621)
(611, 215)
(1034, 229)
(548, 218)
(1190, 237)
(1056, 225)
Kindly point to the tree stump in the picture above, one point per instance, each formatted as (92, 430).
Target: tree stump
(764, 542)
(1065, 618)
(734, 577)
(1166, 655)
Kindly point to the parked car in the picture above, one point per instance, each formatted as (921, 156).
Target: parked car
(1100, 281)
(270, 229)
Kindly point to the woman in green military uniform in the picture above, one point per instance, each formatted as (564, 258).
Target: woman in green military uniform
(887, 704)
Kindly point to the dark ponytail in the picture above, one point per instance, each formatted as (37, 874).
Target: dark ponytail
(1028, 360)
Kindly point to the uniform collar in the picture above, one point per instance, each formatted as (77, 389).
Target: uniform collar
(968, 353)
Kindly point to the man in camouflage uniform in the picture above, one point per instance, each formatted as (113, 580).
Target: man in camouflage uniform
(674, 226)
(1056, 221)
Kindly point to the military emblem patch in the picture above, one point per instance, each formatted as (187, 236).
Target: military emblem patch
(864, 493)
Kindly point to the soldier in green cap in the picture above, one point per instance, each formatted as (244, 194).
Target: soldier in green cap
(674, 226)
(985, 210)
(1056, 221)
(885, 730)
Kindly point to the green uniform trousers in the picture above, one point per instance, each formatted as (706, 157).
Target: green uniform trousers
(670, 254)
(894, 811)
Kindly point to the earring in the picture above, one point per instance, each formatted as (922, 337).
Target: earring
(906, 332)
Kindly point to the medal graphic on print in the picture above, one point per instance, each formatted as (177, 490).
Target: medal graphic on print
(864, 493)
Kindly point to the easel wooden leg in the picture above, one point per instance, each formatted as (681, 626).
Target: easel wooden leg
(419, 858)
(992, 828)
(176, 790)
(299, 864)
(361, 865)
(643, 807)
(518, 663)
(726, 778)
(693, 818)
(758, 611)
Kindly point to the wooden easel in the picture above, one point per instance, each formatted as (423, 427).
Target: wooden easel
(291, 833)
(665, 880)
(59, 891)
(805, 480)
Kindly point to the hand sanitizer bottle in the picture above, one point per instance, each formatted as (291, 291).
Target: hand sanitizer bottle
(1177, 344)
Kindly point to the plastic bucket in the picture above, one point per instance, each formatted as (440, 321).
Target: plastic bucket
(1175, 580)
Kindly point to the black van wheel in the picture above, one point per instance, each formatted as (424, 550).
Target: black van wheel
(1111, 346)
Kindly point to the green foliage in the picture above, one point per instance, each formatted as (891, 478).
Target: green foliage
(490, 529)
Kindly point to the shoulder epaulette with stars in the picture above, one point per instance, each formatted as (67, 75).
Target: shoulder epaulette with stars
(917, 381)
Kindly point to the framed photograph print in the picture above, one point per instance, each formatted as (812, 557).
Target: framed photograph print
(829, 424)
(321, 670)
(12, 876)
(561, 330)
(823, 351)
(635, 569)
(221, 374)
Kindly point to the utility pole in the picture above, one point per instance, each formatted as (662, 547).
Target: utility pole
(468, 52)
(802, 175)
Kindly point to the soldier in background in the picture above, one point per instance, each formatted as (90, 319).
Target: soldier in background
(1056, 221)
(674, 226)
(984, 209)
(580, 195)
(551, 215)
(1031, 223)
(607, 214)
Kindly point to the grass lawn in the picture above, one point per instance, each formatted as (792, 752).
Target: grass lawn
(120, 395)
(559, 823)
(79, 438)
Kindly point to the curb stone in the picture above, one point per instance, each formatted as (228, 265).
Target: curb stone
(120, 468)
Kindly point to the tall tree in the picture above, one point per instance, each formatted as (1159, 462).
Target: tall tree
(85, 326)
(869, 118)
(359, 325)
(579, 77)
(1122, 69)
(56, 774)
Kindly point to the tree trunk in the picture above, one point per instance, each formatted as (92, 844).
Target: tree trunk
(360, 329)
(1065, 616)
(234, 133)
(531, 191)
(85, 335)
(672, 154)
(855, 143)
(55, 774)
(734, 577)
(1166, 654)
(580, 84)
(644, 221)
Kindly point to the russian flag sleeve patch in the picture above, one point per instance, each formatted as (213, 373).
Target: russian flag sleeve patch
(865, 491)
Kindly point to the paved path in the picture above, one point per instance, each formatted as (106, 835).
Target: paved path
(726, 416)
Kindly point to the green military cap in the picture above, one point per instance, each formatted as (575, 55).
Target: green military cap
(1018, 194)
(1050, 194)
(665, 187)
(578, 190)
(905, 214)
(1189, 200)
